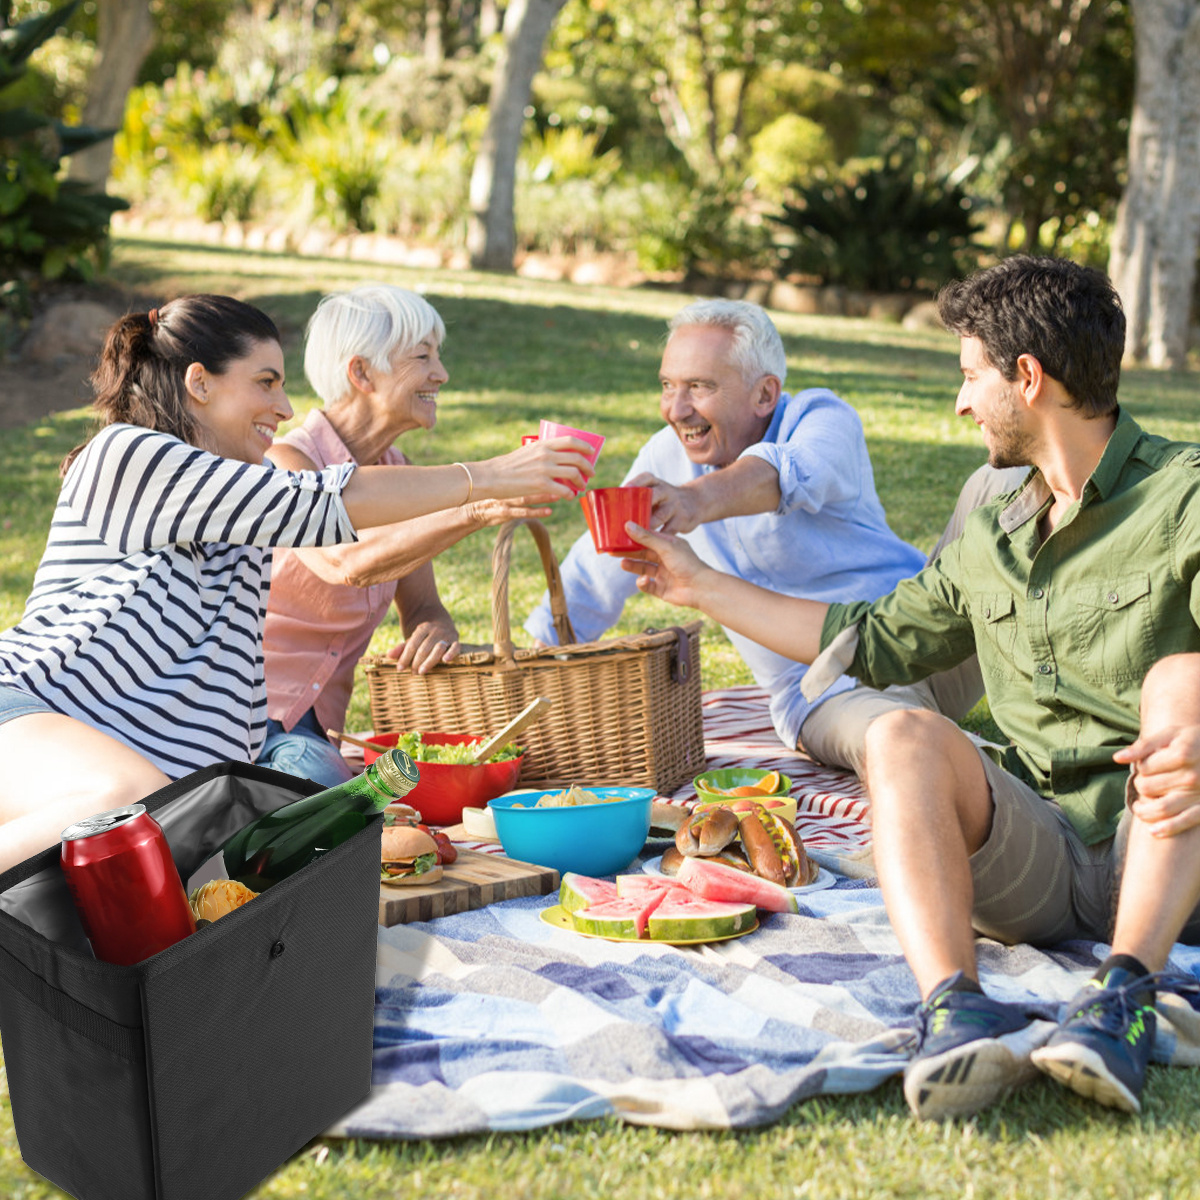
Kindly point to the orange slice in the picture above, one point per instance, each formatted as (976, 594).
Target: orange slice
(768, 785)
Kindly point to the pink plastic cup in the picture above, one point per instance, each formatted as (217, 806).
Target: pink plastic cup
(607, 509)
(551, 429)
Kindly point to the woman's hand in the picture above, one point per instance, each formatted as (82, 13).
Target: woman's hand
(540, 471)
(495, 512)
(670, 570)
(428, 644)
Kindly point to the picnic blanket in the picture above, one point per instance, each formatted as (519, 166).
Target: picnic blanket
(494, 1020)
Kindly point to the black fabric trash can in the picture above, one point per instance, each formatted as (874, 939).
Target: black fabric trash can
(195, 1074)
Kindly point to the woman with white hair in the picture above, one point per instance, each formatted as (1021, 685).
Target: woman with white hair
(372, 356)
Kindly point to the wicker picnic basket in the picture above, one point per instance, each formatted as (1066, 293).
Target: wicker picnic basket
(626, 711)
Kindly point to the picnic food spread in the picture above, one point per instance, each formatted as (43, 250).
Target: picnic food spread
(752, 839)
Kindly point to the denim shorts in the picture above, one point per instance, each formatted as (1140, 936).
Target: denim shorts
(16, 703)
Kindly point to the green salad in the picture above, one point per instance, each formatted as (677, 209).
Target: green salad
(416, 749)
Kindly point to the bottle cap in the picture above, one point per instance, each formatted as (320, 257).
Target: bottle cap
(397, 772)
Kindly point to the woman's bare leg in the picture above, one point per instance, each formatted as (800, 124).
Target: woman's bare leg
(56, 771)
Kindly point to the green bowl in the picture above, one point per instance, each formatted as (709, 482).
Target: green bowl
(731, 777)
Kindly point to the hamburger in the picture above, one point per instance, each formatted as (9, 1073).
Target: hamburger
(409, 856)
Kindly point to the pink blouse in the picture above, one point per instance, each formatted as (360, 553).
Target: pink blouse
(316, 631)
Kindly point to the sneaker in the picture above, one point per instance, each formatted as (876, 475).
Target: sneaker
(1102, 1045)
(971, 1051)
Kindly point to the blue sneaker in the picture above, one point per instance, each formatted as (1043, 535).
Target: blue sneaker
(1102, 1045)
(971, 1051)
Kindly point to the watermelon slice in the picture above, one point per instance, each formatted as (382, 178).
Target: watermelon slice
(582, 891)
(630, 887)
(685, 917)
(618, 918)
(716, 881)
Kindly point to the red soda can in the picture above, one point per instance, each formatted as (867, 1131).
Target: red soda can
(125, 885)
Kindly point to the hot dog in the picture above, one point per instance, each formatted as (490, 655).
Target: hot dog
(761, 850)
(707, 832)
(731, 856)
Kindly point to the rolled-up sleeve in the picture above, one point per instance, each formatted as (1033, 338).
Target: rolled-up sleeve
(812, 460)
(921, 627)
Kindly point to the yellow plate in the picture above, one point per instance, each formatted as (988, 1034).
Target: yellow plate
(559, 918)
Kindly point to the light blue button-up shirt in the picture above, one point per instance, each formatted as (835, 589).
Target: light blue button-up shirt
(828, 540)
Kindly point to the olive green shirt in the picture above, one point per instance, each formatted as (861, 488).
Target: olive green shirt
(1065, 628)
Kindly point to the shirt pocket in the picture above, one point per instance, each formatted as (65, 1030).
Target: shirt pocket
(1114, 628)
(996, 631)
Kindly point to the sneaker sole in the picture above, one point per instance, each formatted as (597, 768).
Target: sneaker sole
(1083, 1071)
(968, 1078)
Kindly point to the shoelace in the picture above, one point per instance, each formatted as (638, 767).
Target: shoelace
(1114, 1008)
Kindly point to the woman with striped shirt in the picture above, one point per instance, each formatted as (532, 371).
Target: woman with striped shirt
(139, 656)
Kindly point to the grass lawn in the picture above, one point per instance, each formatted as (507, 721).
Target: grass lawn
(518, 351)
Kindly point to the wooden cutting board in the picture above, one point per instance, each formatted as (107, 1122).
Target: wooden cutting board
(473, 880)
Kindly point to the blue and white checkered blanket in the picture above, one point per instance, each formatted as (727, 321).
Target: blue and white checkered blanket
(493, 1020)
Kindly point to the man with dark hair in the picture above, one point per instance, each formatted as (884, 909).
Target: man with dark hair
(1081, 595)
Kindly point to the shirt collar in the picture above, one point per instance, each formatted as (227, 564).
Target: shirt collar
(772, 434)
(1035, 493)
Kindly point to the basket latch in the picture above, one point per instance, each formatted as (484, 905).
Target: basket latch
(681, 659)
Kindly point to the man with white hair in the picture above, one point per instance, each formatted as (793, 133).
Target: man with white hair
(776, 489)
(373, 356)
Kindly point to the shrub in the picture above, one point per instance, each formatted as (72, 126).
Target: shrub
(49, 226)
(787, 153)
(886, 229)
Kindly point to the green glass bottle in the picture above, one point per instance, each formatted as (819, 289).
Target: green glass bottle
(279, 844)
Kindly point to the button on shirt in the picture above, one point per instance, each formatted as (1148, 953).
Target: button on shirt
(1065, 628)
(828, 540)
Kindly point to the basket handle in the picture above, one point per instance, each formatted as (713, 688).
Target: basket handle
(501, 561)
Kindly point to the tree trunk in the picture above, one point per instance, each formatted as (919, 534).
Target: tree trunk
(125, 34)
(1152, 258)
(492, 236)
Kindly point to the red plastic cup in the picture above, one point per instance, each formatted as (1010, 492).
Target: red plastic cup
(526, 438)
(551, 429)
(607, 509)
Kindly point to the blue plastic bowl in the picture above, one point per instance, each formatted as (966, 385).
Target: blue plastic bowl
(590, 839)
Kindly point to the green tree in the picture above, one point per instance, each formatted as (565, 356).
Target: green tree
(49, 225)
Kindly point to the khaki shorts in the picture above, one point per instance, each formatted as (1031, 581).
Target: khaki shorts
(1035, 881)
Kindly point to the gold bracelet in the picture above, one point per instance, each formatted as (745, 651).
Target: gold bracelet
(470, 483)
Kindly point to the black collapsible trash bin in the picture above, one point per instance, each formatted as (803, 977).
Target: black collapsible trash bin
(195, 1074)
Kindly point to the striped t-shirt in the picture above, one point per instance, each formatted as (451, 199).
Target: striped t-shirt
(145, 619)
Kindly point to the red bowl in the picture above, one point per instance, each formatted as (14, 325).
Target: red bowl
(445, 789)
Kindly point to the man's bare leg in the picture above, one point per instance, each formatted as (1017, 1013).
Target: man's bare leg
(1104, 1043)
(932, 809)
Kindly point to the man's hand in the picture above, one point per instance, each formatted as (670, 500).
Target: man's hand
(428, 644)
(1166, 778)
(670, 568)
(673, 509)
